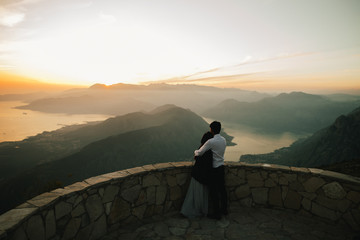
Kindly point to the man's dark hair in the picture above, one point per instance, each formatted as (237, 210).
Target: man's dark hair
(215, 127)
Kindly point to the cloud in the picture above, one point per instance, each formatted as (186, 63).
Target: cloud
(6, 67)
(13, 12)
(10, 18)
(225, 78)
(203, 72)
(238, 69)
(204, 80)
(83, 5)
(238, 73)
(107, 18)
(248, 60)
(21, 3)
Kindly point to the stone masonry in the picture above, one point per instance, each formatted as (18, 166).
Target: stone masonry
(96, 206)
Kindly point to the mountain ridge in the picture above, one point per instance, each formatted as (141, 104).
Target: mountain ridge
(295, 112)
(126, 98)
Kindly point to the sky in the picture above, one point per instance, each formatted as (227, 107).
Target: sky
(274, 45)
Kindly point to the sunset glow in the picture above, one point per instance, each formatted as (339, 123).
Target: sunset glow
(256, 45)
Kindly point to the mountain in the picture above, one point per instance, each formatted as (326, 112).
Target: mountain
(174, 138)
(338, 143)
(342, 97)
(295, 112)
(99, 103)
(26, 97)
(48, 146)
(119, 99)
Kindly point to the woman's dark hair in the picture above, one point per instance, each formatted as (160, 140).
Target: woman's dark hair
(206, 137)
(215, 127)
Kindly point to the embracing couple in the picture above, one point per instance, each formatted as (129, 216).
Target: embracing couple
(208, 177)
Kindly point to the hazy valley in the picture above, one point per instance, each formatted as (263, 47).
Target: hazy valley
(120, 99)
(162, 123)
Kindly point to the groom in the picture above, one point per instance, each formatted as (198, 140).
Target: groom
(218, 194)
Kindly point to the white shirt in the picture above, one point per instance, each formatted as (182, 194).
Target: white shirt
(217, 144)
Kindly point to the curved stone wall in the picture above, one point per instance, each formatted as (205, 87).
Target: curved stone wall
(90, 209)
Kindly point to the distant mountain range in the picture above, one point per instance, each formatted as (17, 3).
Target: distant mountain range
(167, 134)
(119, 99)
(295, 112)
(93, 103)
(338, 143)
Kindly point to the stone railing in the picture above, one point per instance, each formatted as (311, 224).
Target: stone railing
(90, 209)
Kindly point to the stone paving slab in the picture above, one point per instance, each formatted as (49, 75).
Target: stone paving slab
(241, 223)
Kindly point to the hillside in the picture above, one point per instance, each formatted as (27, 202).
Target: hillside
(175, 139)
(295, 112)
(49, 146)
(351, 167)
(338, 143)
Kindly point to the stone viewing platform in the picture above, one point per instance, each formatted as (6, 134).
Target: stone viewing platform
(266, 202)
(241, 223)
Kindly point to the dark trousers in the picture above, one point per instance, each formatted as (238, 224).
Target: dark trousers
(217, 190)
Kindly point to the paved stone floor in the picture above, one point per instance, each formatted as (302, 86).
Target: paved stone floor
(241, 223)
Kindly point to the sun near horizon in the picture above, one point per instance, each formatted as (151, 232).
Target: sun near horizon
(253, 45)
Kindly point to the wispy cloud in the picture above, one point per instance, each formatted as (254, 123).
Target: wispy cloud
(203, 72)
(10, 18)
(10, 46)
(247, 59)
(107, 18)
(20, 3)
(83, 5)
(14, 12)
(225, 78)
(250, 60)
(238, 73)
(240, 68)
(207, 80)
(6, 67)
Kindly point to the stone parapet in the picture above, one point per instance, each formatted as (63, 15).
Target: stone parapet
(307, 191)
(101, 204)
